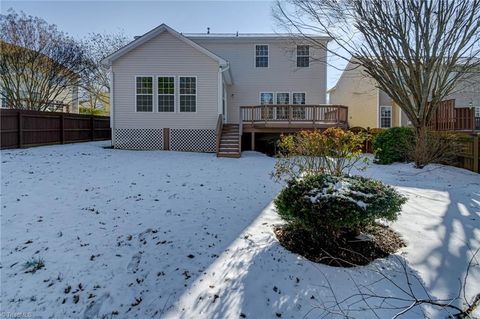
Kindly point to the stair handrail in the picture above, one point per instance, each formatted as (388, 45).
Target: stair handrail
(218, 131)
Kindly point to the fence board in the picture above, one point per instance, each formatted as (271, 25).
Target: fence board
(21, 128)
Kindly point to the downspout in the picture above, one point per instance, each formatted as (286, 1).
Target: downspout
(220, 89)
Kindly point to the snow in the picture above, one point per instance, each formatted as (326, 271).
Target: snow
(341, 189)
(150, 234)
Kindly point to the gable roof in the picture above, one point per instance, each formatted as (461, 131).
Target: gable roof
(152, 34)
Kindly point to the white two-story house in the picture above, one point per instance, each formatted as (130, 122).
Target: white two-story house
(202, 92)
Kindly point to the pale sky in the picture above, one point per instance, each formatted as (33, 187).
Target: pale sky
(78, 18)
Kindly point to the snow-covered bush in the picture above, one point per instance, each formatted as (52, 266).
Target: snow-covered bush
(333, 151)
(335, 205)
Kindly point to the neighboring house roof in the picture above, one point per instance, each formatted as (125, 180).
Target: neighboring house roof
(254, 36)
(155, 32)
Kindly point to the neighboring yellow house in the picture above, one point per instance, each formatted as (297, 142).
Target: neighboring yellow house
(63, 99)
(368, 106)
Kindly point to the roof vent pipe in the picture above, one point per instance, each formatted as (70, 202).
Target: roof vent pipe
(208, 30)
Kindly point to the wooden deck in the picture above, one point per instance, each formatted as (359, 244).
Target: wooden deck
(287, 118)
(450, 118)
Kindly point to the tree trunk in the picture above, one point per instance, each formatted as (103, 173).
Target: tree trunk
(420, 150)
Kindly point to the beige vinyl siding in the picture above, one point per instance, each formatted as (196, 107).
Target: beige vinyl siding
(165, 55)
(357, 91)
(281, 75)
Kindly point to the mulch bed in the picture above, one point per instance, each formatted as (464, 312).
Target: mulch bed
(343, 251)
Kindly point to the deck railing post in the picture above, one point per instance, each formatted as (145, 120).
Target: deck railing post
(290, 115)
(314, 115)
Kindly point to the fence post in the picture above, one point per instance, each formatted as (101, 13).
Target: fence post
(476, 169)
(92, 131)
(20, 129)
(62, 129)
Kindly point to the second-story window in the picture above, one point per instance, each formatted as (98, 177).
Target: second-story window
(261, 56)
(303, 56)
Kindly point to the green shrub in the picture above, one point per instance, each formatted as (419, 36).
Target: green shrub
(337, 204)
(393, 145)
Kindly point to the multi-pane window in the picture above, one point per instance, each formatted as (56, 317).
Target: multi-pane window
(298, 111)
(283, 98)
(188, 94)
(282, 111)
(261, 56)
(144, 93)
(385, 116)
(166, 94)
(477, 111)
(303, 56)
(265, 99)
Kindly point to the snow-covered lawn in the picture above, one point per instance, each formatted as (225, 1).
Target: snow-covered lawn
(130, 234)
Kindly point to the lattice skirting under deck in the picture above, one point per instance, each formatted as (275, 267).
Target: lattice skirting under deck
(139, 139)
(193, 140)
(190, 140)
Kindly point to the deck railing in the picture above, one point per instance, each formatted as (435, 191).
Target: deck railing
(294, 113)
(450, 118)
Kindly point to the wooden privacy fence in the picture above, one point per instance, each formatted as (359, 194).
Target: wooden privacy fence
(22, 128)
(450, 118)
(469, 158)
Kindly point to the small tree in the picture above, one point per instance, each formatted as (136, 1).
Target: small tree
(417, 50)
(40, 66)
(335, 152)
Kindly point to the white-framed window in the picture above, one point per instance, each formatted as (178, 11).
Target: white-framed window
(298, 98)
(385, 116)
(282, 111)
(303, 56)
(188, 94)
(266, 98)
(166, 94)
(261, 55)
(477, 111)
(144, 93)
(283, 98)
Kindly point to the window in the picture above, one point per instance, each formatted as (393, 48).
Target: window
(166, 94)
(283, 98)
(303, 56)
(282, 111)
(188, 94)
(385, 116)
(261, 56)
(144, 94)
(298, 111)
(266, 98)
(477, 111)
(298, 98)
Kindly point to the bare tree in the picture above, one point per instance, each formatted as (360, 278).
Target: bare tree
(416, 50)
(40, 66)
(96, 85)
